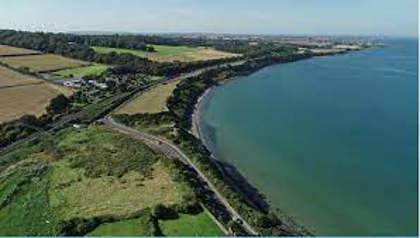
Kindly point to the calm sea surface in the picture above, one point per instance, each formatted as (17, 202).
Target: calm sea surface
(331, 141)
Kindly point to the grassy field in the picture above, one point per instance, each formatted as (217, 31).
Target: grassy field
(152, 101)
(42, 63)
(132, 227)
(28, 99)
(74, 195)
(6, 50)
(11, 78)
(166, 53)
(96, 69)
(125, 172)
(191, 225)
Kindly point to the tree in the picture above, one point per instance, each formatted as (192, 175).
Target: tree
(164, 213)
(58, 104)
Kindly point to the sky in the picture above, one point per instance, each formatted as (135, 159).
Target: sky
(302, 17)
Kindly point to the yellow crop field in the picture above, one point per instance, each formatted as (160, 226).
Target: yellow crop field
(10, 78)
(6, 50)
(42, 63)
(22, 94)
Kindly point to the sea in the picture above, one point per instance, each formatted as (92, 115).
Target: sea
(330, 141)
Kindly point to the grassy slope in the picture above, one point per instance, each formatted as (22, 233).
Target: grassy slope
(191, 225)
(152, 101)
(166, 53)
(96, 69)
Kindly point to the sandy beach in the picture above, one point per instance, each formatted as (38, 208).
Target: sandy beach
(195, 123)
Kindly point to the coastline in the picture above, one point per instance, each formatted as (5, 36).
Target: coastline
(200, 119)
(195, 121)
(232, 175)
(251, 194)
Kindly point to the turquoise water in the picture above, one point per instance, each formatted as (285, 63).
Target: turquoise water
(331, 141)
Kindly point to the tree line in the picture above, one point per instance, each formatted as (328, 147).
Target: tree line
(79, 47)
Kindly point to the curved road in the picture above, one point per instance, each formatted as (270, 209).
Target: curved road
(172, 151)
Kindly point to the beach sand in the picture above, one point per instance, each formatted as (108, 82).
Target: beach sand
(195, 125)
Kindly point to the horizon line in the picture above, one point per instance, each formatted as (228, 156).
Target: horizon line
(216, 33)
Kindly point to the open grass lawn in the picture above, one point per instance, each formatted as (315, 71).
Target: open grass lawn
(191, 225)
(167, 53)
(42, 63)
(11, 78)
(96, 69)
(6, 50)
(132, 227)
(27, 99)
(151, 101)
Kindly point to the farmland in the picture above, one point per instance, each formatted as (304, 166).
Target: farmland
(6, 50)
(166, 53)
(42, 63)
(10, 78)
(96, 69)
(21, 94)
(29, 99)
(152, 101)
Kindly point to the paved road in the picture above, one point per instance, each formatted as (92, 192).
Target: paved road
(172, 151)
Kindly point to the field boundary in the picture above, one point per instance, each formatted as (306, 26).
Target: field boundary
(20, 85)
(17, 55)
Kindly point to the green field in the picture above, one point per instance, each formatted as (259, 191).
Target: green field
(132, 227)
(166, 53)
(96, 70)
(191, 225)
(151, 101)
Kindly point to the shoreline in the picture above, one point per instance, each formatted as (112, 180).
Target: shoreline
(195, 121)
(251, 194)
(225, 168)
(195, 116)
